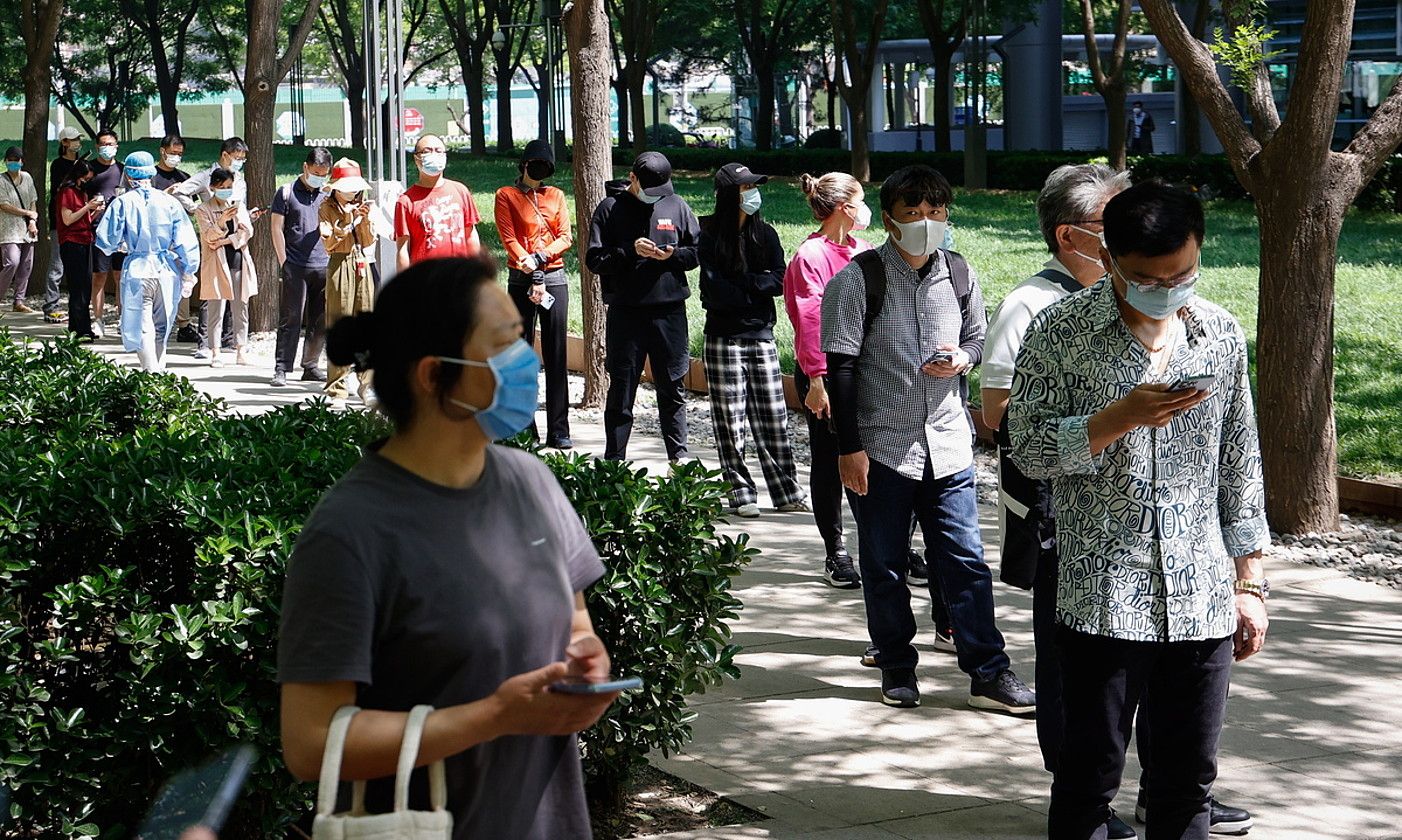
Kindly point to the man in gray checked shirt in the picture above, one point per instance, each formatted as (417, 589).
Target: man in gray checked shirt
(902, 325)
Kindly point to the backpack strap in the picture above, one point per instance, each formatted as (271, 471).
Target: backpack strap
(1065, 281)
(959, 279)
(874, 279)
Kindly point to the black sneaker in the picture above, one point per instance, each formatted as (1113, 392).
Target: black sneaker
(279, 380)
(312, 374)
(839, 572)
(1226, 820)
(1003, 693)
(560, 443)
(917, 573)
(187, 335)
(898, 688)
(1118, 829)
(869, 658)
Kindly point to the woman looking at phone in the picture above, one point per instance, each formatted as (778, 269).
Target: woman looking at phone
(445, 570)
(227, 273)
(348, 232)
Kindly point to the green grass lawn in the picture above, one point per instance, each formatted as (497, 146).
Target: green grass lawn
(998, 233)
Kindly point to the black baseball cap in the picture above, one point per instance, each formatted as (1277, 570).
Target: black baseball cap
(654, 173)
(738, 175)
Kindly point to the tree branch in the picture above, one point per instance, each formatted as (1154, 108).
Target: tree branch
(1379, 137)
(1307, 130)
(1260, 102)
(1199, 70)
(1097, 72)
(297, 41)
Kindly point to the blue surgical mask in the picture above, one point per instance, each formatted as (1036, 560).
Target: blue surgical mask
(224, 194)
(948, 243)
(750, 201)
(1157, 302)
(14, 165)
(517, 369)
(648, 199)
(107, 152)
(235, 165)
(316, 182)
(433, 163)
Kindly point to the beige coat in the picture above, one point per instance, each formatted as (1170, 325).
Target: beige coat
(216, 282)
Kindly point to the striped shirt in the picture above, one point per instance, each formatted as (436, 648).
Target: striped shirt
(904, 416)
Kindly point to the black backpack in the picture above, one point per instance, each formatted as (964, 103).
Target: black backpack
(874, 279)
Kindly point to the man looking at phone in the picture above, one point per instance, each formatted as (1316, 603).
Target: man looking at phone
(1133, 399)
(302, 256)
(642, 242)
(904, 438)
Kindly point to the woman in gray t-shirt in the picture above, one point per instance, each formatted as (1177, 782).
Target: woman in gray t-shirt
(445, 570)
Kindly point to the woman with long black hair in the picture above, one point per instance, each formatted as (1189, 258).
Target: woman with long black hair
(74, 214)
(742, 271)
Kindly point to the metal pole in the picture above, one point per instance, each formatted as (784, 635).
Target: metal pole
(397, 106)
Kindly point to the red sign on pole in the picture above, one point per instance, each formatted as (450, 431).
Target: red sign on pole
(413, 121)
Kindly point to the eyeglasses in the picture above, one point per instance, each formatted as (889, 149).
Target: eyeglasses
(1186, 281)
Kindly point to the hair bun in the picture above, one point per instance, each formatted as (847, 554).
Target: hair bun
(807, 183)
(349, 340)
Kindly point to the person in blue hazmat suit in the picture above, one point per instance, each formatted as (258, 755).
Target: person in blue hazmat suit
(163, 256)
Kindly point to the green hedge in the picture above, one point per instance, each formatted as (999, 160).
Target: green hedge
(1211, 175)
(143, 538)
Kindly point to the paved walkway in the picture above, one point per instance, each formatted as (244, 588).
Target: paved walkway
(1313, 744)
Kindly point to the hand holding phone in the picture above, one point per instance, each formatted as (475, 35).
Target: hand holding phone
(588, 685)
(1202, 382)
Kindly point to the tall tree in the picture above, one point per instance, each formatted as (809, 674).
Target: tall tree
(854, 82)
(587, 40)
(517, 36)
(945, 25)
(619, 83)
(38, 29)
(770, 32)
(471, 23)
(101, 68)
(264, 70)
(1301, 188)
(165, 25)
(1112, 77)
(635, 22)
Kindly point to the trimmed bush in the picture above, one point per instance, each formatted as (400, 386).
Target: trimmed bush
(143, 540)
(824, 138)
(664, 135)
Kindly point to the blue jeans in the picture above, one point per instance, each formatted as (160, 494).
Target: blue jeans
(947, 509)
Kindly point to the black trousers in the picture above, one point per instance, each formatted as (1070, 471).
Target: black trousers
(657, 335)
(825, 490)
(1104, 681)
(302, 302)
(554, 325)
(77, 270)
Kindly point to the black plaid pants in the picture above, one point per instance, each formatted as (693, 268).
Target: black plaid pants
(747, 393)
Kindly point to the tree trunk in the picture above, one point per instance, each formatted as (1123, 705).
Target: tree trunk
(542, 103)
(170, 91)
(861, 148)
(831, 88)
(637, 76)
(473, 80)
(1114, 97)
(355, 95)
(784, 105)
(941, 89)
(260, 173)
(620, 89)
(506, 141)
(36, 145)
(587, 37)
(1300, 223)
(764, 117)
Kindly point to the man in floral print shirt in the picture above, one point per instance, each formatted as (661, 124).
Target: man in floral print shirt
(1132, 397)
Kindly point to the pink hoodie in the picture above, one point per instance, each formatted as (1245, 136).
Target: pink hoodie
(813, 265)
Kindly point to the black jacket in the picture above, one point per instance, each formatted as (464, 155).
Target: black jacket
(742, 305)
(627, 279)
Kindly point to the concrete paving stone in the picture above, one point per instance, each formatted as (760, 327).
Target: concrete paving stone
(1284, 804)
(1002, 820)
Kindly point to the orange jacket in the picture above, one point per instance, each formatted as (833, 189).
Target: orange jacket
(533, 221)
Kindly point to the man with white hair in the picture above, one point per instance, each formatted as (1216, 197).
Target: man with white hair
(161, 251)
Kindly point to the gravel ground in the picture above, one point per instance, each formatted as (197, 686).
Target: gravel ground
(1367, 548)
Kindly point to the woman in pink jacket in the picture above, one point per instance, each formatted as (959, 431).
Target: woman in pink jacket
(837, 202)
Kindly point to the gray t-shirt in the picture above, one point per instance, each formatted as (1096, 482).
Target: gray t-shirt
(426, 594)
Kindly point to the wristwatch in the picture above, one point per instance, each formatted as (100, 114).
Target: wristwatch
(1260, 587)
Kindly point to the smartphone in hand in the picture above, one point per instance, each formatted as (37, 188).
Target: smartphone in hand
(941, 357)
(200, 797)
(584, 685)
(1203, 382)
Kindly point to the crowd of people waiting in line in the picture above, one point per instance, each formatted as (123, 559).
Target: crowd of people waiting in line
(1131, 498)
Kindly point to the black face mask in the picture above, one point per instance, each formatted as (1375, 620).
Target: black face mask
(539, 170)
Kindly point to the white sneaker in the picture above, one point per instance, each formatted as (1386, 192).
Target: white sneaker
(201, 354)
(97, 328)
(750, 511)
(800, 506)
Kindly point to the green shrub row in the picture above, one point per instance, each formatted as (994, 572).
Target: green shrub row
(144, 534)
(1211, 175)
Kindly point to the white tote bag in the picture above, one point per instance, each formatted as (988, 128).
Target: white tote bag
(399, 824)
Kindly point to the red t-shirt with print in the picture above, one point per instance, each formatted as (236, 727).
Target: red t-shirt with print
(439, 221)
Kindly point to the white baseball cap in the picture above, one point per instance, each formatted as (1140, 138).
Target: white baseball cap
(70, 133)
